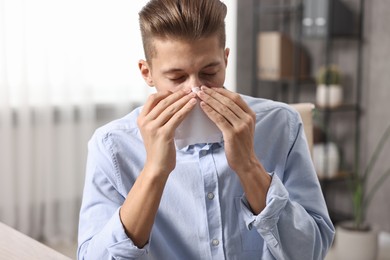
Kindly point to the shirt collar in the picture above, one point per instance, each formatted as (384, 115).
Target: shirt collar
(201, 146)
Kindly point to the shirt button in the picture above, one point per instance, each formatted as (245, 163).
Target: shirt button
(210, 195)
(203, 152)
(215, 242)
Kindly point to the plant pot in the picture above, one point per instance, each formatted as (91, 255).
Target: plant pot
(326, 159)
(329, 95)
(355, 244)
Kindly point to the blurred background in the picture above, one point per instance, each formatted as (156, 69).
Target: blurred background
(336, 55)
(68, 67)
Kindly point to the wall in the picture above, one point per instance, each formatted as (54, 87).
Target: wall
(376, 96)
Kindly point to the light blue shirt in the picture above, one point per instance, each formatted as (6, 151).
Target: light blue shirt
(203, 212)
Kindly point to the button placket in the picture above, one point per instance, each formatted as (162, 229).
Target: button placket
(209, 172)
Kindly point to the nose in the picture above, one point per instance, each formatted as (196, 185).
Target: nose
(194, 81)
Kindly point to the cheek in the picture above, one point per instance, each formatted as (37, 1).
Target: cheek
(165, 85)
(216, 82)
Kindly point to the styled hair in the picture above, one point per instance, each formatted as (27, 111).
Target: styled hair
(187, 20)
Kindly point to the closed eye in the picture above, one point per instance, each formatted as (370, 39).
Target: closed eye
(209, 74)
(177, 78)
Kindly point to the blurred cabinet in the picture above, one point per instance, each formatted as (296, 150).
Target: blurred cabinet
(292, 40)
(275, 58)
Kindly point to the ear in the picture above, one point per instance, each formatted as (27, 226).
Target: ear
(146, 72)
(227, 51)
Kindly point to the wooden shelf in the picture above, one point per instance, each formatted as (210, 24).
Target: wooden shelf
(279, 8)
(338, 217)
(340, 176)
(339, 108)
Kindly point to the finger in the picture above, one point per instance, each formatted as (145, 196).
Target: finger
(234, 97)
(179, 116)
(222, 105)
(159, 102)
(174, 108)
(153, 100)
(221, 121)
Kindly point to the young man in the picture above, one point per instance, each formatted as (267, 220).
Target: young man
(254, 195)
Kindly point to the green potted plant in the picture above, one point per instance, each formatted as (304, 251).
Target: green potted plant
(329, 90)
(356, 240)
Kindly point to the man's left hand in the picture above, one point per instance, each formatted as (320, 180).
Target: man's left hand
(236, 121)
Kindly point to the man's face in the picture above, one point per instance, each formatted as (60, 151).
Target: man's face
(178, 64)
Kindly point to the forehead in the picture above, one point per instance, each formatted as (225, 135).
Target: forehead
(184, 53)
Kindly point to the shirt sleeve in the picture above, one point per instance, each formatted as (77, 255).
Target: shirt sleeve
(101, 233)
(295, 216)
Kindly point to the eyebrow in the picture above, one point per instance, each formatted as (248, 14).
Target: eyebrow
(173, 70)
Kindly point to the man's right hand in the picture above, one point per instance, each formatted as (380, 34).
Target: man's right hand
(158, 120)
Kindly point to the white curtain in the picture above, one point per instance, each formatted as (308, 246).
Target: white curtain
(64, 67)
(60, 62)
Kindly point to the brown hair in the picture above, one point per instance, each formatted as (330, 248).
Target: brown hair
(187, 20)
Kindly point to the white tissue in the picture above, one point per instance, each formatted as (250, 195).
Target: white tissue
(197, 128)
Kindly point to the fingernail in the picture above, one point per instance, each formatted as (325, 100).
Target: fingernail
(192, 94)
(186, 90)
